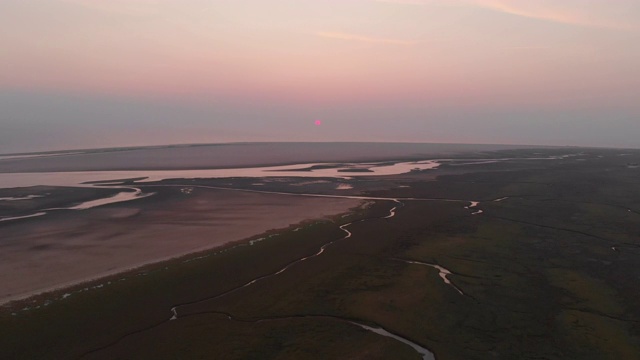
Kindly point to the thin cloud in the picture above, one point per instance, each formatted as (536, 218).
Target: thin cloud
(552, 13)
(367, 39)
(596, 15)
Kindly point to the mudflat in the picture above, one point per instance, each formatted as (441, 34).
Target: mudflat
(68, 247)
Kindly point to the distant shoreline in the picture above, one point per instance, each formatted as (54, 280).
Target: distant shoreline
(237, 155)
(143, 147)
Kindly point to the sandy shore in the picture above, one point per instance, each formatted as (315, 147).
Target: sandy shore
(74, 246)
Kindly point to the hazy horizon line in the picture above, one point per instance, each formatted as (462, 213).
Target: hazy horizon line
(133, 147)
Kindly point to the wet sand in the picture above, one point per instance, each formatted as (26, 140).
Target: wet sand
(69, 247)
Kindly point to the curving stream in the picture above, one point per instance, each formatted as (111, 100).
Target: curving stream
(11, 218)
(175, 310)
(443, 273)
(474, 204)
(348, 234)
(117, 198)
(392, 212)
(426, 354)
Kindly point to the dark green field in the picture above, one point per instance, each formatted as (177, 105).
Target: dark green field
(550, 272)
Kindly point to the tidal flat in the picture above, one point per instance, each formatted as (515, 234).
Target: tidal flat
(69, 247)
(548, 270)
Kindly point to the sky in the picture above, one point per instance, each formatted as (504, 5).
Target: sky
(102, 73)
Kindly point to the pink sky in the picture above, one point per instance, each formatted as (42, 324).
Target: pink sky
(479, 55)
